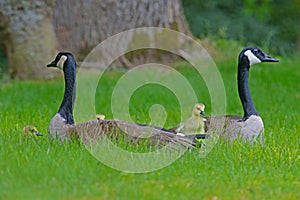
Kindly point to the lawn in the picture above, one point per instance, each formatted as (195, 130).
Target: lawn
(34, 168)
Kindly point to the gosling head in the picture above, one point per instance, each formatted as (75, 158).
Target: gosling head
(30, 131)
(254, 55)
(100, 117)
(61, 60)
(198, 109)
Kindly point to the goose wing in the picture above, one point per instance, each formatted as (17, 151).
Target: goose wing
(220, 121)
(229, 126)
(232, 127)
(177, 128)
(91, 131)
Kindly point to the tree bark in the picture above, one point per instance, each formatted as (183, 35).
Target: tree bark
(82, 25)
(27, 37)
(32, 31)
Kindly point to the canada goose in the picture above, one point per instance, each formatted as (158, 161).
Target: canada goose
(63, 119)
(250, 126)
(194, 124)
(30, 131)
(62, 124)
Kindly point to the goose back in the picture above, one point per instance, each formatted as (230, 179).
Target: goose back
(91, 131)
(232, 127)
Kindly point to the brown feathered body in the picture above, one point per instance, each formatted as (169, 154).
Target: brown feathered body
(91, 132)
(232, 127)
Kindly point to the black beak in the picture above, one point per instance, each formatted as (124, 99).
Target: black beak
(202, 112)
(267, 58)
(39, 134)
(52, 64)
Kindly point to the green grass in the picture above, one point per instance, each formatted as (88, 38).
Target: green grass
(35, 169)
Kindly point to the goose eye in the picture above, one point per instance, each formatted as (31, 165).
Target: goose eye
(257, 52)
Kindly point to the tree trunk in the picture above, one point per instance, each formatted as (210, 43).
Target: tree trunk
(27, 37)
(29, 32)
(82, 25)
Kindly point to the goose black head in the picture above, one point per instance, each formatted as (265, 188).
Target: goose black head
(62, 59)
(253, 55)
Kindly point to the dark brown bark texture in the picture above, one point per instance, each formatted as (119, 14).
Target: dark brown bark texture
(82, 25)
(31, 32)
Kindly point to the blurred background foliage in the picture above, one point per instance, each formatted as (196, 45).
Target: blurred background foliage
(271, 24)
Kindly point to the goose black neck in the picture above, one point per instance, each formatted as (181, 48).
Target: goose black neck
(66, 107)
(244, 92)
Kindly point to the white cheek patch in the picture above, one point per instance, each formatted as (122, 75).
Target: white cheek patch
(251, 57)
(62, 60)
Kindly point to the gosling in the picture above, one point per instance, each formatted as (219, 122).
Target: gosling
(30, 131)
(100, 117)
(194, 124)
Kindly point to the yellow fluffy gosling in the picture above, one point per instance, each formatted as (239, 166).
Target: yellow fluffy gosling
(194, 124)
(30, 131)
(100, 117)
